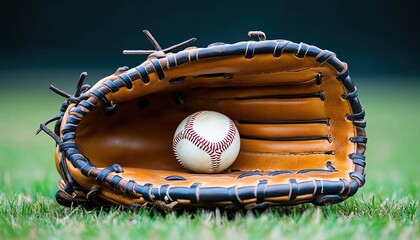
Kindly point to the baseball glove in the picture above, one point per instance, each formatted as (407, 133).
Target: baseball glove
(301, 125)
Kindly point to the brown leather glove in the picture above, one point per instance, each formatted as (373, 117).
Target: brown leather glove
(297, 111)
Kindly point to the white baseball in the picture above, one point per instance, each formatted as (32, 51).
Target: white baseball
(206, 142)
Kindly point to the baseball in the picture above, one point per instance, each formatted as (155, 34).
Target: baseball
(206, 142)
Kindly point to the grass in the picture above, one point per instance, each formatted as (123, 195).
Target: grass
(387, 207)
(36, 216)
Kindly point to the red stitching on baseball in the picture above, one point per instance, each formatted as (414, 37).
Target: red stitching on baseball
(214, 149)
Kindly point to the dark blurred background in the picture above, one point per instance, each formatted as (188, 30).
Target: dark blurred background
(376, 38)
